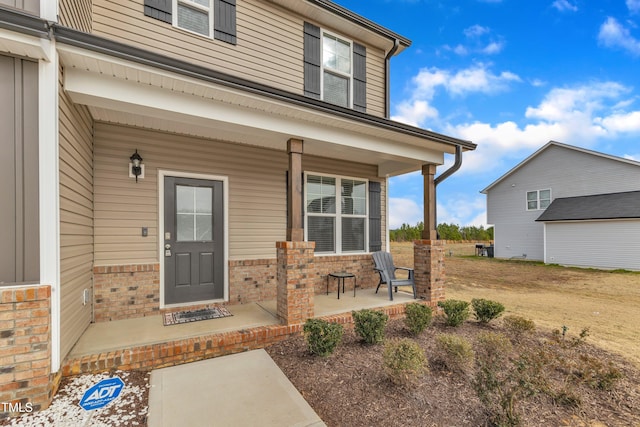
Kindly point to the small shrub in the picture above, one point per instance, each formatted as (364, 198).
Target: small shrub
(495, 382)
(404, 361)
(369, 325)
(418, 317)
(486, 310)
(517, 326)
(454, 353)
(456, 311)
(322, 337)
(596, 374)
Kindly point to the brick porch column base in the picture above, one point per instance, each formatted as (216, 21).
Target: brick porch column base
(295, 281)
(428, 261)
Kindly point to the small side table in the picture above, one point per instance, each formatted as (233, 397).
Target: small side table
(342, 275)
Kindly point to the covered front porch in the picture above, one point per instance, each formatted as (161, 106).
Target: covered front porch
(145, 343)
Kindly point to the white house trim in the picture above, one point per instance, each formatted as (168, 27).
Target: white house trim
(225, 189)
(49, 192)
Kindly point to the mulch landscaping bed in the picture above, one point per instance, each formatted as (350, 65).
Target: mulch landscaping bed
(350, 388)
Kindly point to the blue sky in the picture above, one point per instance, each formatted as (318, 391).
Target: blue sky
(509, 75)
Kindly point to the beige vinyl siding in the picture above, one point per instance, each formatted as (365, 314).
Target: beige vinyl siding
(76, 218)
(30, 6)
(375, 82)
(122, 207)
(269, 48)
(257, 185)
(76, 14)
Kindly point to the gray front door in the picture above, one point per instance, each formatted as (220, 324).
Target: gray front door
(193, 240)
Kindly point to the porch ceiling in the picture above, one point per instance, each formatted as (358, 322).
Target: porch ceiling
(129, 93)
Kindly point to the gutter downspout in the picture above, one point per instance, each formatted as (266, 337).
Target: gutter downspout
(444, 175)
(387, 78)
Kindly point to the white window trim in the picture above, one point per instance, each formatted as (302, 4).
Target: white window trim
(338, 214)
(538, 208)
(333, 71)
(196, 6)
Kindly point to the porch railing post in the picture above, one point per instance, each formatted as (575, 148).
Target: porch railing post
(429, 232)
(295, 276)
(295, 232)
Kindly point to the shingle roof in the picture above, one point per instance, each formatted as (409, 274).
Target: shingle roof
(599, 206)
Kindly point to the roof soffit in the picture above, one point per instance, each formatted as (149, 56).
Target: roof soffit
(394, 152)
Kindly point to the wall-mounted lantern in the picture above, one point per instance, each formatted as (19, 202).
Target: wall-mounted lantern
(136, 168)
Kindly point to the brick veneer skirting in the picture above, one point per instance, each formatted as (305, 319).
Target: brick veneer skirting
(25, 347)
(171, 353)
(126, 291)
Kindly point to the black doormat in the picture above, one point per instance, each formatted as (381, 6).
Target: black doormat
(195, 315)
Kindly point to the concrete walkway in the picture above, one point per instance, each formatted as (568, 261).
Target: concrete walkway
(245, 389)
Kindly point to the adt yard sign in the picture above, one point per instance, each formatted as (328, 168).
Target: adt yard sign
(102, 393)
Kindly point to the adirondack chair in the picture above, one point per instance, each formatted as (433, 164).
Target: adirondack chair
(384, 266)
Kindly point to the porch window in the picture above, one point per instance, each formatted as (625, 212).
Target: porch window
(195, 16)
(336, 213)
(538, 199)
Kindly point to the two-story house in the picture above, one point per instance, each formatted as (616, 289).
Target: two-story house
(568, 205)
(161, 154)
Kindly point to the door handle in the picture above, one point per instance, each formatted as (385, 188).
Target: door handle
(167, 250)
(167, 246)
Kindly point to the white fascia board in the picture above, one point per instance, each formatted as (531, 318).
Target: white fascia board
(24, 45)
(100, 90)
(49, 192)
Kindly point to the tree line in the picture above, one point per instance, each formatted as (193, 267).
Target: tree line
(408, 233)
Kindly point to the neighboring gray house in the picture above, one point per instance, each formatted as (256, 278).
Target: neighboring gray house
(568, 205)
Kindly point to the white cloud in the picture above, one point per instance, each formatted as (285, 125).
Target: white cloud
(624, 122)
(458, 209)
(633, 5)
(613, 35)
(565, 6)
(635, 157)
(477, 78)
(476, 31)
(493, 48)
(415, 112)
(404, 211)
(573, 115)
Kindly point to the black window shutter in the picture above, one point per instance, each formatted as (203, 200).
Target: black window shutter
(311, 60)
(158, 9)
(375, 217)
(224, 20)
(359, 77)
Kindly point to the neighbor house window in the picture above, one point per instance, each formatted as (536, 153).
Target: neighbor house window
(336, 213)
(538, 199)
(336, 70)
(195, 16)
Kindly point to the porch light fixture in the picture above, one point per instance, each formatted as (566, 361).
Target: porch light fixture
(136, 168)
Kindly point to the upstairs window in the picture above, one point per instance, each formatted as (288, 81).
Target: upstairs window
(195, 15)
(336, 70)
(538, 199)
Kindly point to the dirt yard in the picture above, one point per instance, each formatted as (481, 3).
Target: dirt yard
(608, 303)
(350, 388)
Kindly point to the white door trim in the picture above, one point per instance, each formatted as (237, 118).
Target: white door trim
(225, 190)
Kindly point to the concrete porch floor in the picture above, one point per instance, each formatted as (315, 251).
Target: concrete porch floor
(106, 337)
